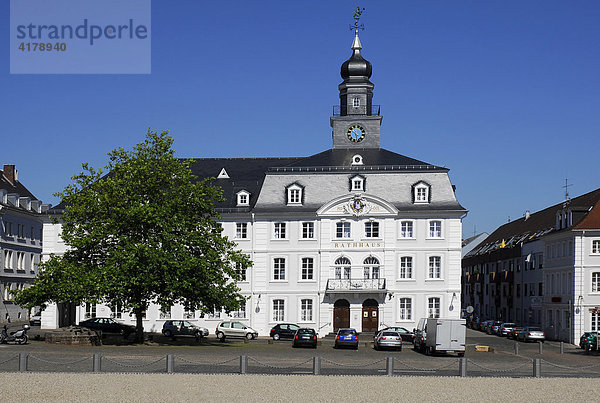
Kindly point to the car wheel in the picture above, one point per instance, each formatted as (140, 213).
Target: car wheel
(168, 333)
(400, 349)
(276, 336)
(335, 345)
(461, 354)
(249, 336)
(375, 346)
(220, 336)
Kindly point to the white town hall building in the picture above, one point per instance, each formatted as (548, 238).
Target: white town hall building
(355, 236)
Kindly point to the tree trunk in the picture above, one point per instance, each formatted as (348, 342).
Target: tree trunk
(139, 327)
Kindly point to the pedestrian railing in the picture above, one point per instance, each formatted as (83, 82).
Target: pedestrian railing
(390, 366)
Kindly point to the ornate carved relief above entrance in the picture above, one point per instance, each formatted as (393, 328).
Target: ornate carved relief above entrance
(357, 205)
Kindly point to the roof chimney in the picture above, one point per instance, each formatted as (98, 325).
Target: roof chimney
(10, 173)
(527, 215)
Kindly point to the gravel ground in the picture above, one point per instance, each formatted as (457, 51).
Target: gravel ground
(43, 387)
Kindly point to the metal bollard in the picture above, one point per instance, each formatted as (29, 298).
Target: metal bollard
(243, 364)
(562, 347)
(316, 365)
(462, 367)
(23, 362)
(537, 367)
(97, 363)
(516, 348)
(170, 363)
(541, 349)
(389, 366)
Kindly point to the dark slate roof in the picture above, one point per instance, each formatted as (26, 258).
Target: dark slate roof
(244, 174)
(372, 157)
(17, 187)
(541, 223)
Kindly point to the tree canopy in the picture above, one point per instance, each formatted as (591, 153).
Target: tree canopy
(146, 232)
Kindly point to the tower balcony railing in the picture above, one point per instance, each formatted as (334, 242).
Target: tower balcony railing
(338, 110)
(355, 284)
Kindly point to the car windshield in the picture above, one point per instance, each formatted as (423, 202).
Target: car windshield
(306, 331)
(534, 329)
(395, 334)
(347, 331)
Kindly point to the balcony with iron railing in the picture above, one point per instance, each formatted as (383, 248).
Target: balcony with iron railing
(374, 110)
(337, 285)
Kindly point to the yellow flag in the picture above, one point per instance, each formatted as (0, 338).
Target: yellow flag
(503, 244)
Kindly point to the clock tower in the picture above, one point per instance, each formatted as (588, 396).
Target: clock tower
(357, 122)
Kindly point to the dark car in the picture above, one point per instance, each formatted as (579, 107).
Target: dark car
(494, 327)
(172, 328)
(346, 337)
(108, 325)
(589, 341)
(407, 335)
(284, 331)
(515, 333)
(305, 337)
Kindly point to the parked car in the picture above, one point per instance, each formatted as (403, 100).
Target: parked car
(407, 335)
(234, 329)
(172, 328)
(531, 333)
(284, 331)
(515, 333)
(589, 341)
(506, 328)
(483, 326)
(36, 319)
(305, 337)
(346, 337)
(108, 325)
(388, 339)
(494, 327)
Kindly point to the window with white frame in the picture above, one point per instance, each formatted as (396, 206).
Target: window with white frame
(356, 102)
(405, 308)
(240, 313)
(596, 281)
(294, 194)
(165, 312)
(372, 229)
(32, 263)
(406, 229)
(188, 314)
(342, 229)
(215, 314)
(116, 310)
(406, 265)
(278, 310)
(242, 271)
(435, 267)
(90, 310)
(307, 268)
(342, 268)
(7, 296)
(241, 230)
(595, 321)
(243, 198)
(435, 229)
(596, 246)
(371, 268)
(306, 310)
(357, 183)
(279, 268)
(279, 230)
(421, 193)
(8, 259)
(308, 230)
(433, 307)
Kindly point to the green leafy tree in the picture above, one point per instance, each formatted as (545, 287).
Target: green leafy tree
(147, 232)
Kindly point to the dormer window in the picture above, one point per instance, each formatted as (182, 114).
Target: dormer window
(357, 183)
(421, 193)
(243, 198)
(294, 194)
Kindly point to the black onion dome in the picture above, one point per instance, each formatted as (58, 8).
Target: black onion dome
(356, 65)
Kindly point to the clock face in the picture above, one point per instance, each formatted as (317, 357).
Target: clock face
(356, 133)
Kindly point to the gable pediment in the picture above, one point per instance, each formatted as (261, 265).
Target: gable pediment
(357, 205)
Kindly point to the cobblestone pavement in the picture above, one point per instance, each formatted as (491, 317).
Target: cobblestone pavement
(212, 356)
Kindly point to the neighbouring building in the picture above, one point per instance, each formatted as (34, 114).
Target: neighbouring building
(354, 236)
(20, 241)
(543, 269)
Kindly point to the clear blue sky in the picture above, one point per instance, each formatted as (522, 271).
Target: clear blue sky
(504, 93)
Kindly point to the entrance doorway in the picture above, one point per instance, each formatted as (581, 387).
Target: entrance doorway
(341, 314)
(370, 313)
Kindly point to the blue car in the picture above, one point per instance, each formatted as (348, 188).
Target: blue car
(347, 338)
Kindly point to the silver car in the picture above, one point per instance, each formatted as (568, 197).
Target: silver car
(235, 329)
(531, 333)
(388, 339)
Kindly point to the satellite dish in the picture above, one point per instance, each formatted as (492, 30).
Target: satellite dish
(469, 309)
